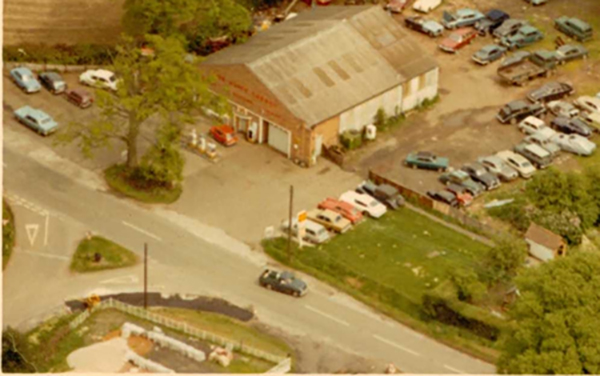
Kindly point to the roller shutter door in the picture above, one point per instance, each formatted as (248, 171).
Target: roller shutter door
(279, 139)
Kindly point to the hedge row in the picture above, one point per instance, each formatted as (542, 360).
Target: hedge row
(442, 304)
(80, 54)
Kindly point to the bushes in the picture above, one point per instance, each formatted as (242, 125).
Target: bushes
(80, 54)
(8, 233)
(351, 139)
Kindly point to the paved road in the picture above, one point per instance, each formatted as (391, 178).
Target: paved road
(190, 257)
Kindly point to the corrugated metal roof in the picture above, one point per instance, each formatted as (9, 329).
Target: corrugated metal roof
(330, 59)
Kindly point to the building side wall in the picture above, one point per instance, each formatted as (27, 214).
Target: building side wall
(420, 88)
(539, 251)
(362, 115)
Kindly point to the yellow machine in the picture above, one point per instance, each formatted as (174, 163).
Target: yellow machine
(91, 301)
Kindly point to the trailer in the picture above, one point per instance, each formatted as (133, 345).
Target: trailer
(520, 72)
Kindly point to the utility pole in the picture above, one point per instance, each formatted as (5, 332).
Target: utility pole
(145, 275)
(289, 245)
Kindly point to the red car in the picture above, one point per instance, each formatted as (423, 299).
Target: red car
(318, 2)
(345, 209)
(458, 39)
(224, 134)
(396, 6)
(79, 97)
(462, 196)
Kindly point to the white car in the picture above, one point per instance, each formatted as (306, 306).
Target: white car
(101, 78)
(531, 124)
(499, 168)
(563, 109)
(589, 104)
(592, 118)
(574, 143)
(518, 162)
(365, 203)
(426, 6)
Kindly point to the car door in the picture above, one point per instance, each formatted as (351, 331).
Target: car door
(31, 122)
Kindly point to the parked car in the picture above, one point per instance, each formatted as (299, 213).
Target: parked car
(462, 178)
(36, 119)
(384, 193)
(536, 2)
(24, 79)
(100, 78)
(284, 282)
(463, 197)
(522, 67)
(365, 203)
(515, 57)
(574, 143)
(445, 197)
(526, 36)
(574, 28)
(494, 18)
(531, 124)
(544, 142)
(461, 18)
(396, 6)
(517, 162)
(426, 6)
(224, 134)
(313, 232)
(343, 208)
(498, 167)
(53, 82)
(426, 160)
(488, 54)
(318, 2)
(508, 28)
(457, 40)
(587, 103)
(540, 157)
(568, 52)
(79, 97)
(550, 92)
(330, 220)
(479, 174)
(562, 109)
(591, 118)
(569, 126)
(545, 59)
(518, 110)
(420, 24)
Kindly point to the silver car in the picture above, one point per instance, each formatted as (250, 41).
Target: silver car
(499, 168)
(544, 142)
(574, 143)
(562, 108)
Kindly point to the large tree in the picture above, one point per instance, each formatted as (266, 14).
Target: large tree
(502, 262)
(165, 86)
(557, 319)
(196, 20)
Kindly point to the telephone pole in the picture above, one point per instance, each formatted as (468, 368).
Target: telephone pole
(145, 275)
(289, 245)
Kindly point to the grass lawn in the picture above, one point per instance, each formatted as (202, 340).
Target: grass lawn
(113, 256)
(117, 179)
(48, 345)
(8, 233)
(389, 263)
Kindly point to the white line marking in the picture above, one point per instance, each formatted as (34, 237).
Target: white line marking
(330, 317)
(396, 345)
(32, 231)
(47, 255)
(142, 231)
(121, 280)
(46, 232)
(454, 369)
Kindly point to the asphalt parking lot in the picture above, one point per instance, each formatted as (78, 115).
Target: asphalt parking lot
(462, 125)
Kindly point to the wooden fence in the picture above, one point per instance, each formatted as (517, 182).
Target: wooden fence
(187, 329)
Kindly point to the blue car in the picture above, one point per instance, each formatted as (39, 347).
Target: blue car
(36, 119)
(524, 37)
(488, 54)
(25, 79)
(462, 18)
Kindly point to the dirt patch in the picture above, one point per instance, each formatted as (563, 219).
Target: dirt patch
(199, 303)
(354, 282)
(111, 335)
(140, 345)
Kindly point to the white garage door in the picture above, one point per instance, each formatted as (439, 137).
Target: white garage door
(279, 139)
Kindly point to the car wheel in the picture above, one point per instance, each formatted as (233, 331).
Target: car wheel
(269, 287)
(414, 167)
(441, 169)
(296, 294)
(513, 121)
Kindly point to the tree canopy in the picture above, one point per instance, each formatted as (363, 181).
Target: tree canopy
(557, 320)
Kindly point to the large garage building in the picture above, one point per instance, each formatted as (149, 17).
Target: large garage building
(300, 84)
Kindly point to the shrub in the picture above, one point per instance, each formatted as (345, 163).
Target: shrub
(8, 233)
(428, 103)
(468, 287)
(80, 54)
(381, 118)
(514, 213)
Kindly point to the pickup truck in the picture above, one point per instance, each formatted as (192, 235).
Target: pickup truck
(521, 71)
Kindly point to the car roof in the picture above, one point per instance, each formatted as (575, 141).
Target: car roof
(53, 75)
(464, 30)
(460, 173)
(517, 104)
(424, 154)
(566, 47)
(23, 70)
(545, 54)
(286, 275)
(579, 23)
(80, 92)
(527, 29)
(387, 189)
(537, 149)
(465, 12)
(312, 225)
(103, 73)
(489, 47)
(496, 14)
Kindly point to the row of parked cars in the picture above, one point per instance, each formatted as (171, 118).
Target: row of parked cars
(37, 119)
(337, 216)
(568, 131)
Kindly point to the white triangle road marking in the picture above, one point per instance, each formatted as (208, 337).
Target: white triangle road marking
(32, 231)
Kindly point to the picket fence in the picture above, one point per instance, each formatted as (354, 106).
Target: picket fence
(283, 363)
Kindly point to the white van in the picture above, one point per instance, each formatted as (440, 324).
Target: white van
(313, 232)
(426, 6)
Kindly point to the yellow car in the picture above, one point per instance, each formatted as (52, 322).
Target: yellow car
(330, 220)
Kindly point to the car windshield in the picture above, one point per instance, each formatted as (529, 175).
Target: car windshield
(228, 136)
(525, 164)
(26, 78)
(112, 78)
(45, 121)
(373, 203)
(505, 111)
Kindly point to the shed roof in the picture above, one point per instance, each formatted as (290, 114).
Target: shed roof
(330, 59)
(544, 237)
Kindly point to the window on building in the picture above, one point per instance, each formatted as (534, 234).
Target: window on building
(422, 81)
(406, 89)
